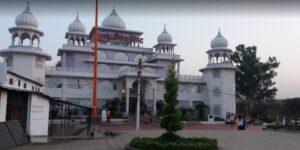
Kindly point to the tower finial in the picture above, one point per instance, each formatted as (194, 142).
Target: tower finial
(219, 32)
(165, 28)
(27, 7)
(77, 17)
(114, 12)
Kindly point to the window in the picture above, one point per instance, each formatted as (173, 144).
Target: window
(24, 86)
(115, 86)
(198, 88)
(216, 73)
(217, 92)
(120, 56)
(9, 61)
(32, 88)
(39, 62)
(19, 83)
(11, 81)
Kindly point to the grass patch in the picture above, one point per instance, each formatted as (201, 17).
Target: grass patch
(169, 141)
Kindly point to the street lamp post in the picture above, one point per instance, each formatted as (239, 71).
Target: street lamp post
(139, 74)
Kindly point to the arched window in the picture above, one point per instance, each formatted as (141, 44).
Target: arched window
(104, 69)
(83, 41)
(138, 56)
(120, 56)
(102, 55)
(15, 39)
(124, 68)
(77, 42)
(25, 39)
(35, 41)
(72, 40)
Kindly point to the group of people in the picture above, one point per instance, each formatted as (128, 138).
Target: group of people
(240, 121)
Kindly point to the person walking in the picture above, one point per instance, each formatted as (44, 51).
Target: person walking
(240, 123)
(146, 118)
(232, 119)
(108, 116)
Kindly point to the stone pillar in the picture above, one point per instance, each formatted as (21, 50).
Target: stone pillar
(178, 69)
(63, 61)
(3, 105)
(39, 42)
(127, 100)
(154, 101)
(12, 40)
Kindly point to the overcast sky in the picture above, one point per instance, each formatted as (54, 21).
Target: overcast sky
(273, 26)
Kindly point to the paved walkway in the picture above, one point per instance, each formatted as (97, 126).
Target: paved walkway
(227, 140)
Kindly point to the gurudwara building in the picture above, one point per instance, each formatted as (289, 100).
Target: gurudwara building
(119, 51)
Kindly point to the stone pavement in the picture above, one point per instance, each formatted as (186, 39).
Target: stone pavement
(252, 139)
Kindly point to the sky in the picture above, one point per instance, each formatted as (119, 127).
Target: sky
(272, 25)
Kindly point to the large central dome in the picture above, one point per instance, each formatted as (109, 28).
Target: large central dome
(114, 21)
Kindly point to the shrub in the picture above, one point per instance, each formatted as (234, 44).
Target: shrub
(164, 143)
(267, 118)
(219, 119)
(113, 105)
(275, 127)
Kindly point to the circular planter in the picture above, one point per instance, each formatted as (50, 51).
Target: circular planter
(128, 147)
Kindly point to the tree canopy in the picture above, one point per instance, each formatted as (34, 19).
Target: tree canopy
(254, 78)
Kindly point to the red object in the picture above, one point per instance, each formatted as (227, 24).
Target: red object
(94, 111)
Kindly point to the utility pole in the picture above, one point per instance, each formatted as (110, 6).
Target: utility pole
(95, 69)
(139, 74)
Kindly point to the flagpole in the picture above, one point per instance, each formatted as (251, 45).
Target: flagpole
(95, 69)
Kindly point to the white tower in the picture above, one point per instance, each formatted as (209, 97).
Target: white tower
(219, 75)
(164, 50)
(24, 56)
(77, 40)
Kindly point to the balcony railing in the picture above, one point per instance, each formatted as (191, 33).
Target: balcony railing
(182, 76)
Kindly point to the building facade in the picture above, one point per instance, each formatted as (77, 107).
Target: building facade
(119, 51)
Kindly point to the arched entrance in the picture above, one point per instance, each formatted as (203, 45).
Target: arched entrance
(133, 97)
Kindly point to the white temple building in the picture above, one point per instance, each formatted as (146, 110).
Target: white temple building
(119, 51)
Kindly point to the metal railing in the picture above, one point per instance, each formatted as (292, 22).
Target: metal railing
(183, 76)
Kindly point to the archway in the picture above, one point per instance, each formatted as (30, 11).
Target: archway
(133, 96)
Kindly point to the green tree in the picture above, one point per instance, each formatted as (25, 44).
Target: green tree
(170, 114)
(254, 78)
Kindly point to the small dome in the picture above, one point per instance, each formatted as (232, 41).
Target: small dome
(164, 37)
(114, 21)
(77, 26)
(26, 19)
(219, 41)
